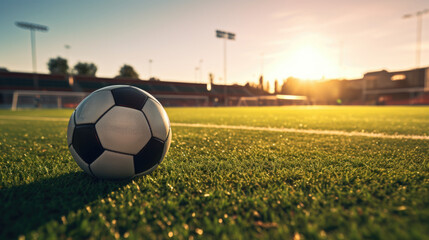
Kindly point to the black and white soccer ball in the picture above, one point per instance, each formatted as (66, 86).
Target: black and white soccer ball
(119, 132)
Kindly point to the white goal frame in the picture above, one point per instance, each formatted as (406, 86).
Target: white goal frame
(58, 94)
(243, 101)
(203, 99)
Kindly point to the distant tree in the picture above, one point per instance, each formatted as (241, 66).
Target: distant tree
(261, 83)
(85, 69)
(58, 65)
(291, 86)
(276, 86)
(127, 71)
(154, 79)
(267, 88)
(2, 69)
(255, 88)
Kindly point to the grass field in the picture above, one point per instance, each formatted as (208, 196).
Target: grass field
(227, 183)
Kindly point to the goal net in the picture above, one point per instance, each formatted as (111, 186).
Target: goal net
(54, 99)
(273, 100)
(46, 99)
(183, 100)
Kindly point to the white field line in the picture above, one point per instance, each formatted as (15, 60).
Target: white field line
(307, 131)
(266, 129)
(33, 118)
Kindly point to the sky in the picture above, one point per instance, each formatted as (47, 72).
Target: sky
(278, 39)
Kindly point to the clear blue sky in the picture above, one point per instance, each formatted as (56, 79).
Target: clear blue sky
(307, 39)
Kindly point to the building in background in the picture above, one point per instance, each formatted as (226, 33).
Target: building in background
(410, 87)
(396, 88)
(168, 93)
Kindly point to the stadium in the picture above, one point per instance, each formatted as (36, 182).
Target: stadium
(409, 87)
(299, 135)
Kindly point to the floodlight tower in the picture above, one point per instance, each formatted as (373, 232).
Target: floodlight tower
(419, 15)
(67, 49)
(225, 36)
(150, 68)
(201, 70)
(196, 72)
(33, 28)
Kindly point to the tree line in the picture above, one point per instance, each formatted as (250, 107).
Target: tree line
(60, 65)
(325, 92)
(334, 91)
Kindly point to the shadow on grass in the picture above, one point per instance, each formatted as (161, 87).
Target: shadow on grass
(27, 207)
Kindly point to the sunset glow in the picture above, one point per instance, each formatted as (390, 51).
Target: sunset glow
(307, 62)
(311, 63)
(309, 40)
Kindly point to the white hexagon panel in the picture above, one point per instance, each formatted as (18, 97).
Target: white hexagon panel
(93, 106)
(108, 88)
(158, 119)
(113, 165)
(124, 130)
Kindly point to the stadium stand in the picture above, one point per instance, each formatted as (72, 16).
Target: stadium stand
(169, 93)
(409, 87)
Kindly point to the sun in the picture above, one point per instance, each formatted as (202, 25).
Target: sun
(308, 62)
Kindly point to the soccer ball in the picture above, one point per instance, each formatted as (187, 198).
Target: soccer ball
(119, 132)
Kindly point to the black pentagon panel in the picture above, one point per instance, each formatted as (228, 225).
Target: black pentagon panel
(129, 97)
(86, 143)
(149, 156)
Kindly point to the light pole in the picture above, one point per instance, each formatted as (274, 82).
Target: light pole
(419, 15)
(67, 48)
(201, 70)
(33, 27)
(70, 72)
(150, 68)
(66, 54)
(196, 72)
(225, 36)
(340, 60)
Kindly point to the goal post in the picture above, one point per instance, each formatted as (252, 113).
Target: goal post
(46, 99)
(182, 100)
(57, 99)
(272, 100)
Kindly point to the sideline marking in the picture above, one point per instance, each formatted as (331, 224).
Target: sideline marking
(307, 131)
(33, 118)
(266, 129)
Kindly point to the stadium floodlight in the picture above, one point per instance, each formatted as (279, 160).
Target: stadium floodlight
(225, 36)
(67, 48)
(150, 68)
(197, 69)
(201, 70)
(33, 27)
(419, 15)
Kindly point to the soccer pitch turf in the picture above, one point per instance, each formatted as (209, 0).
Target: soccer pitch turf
(228, 183)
